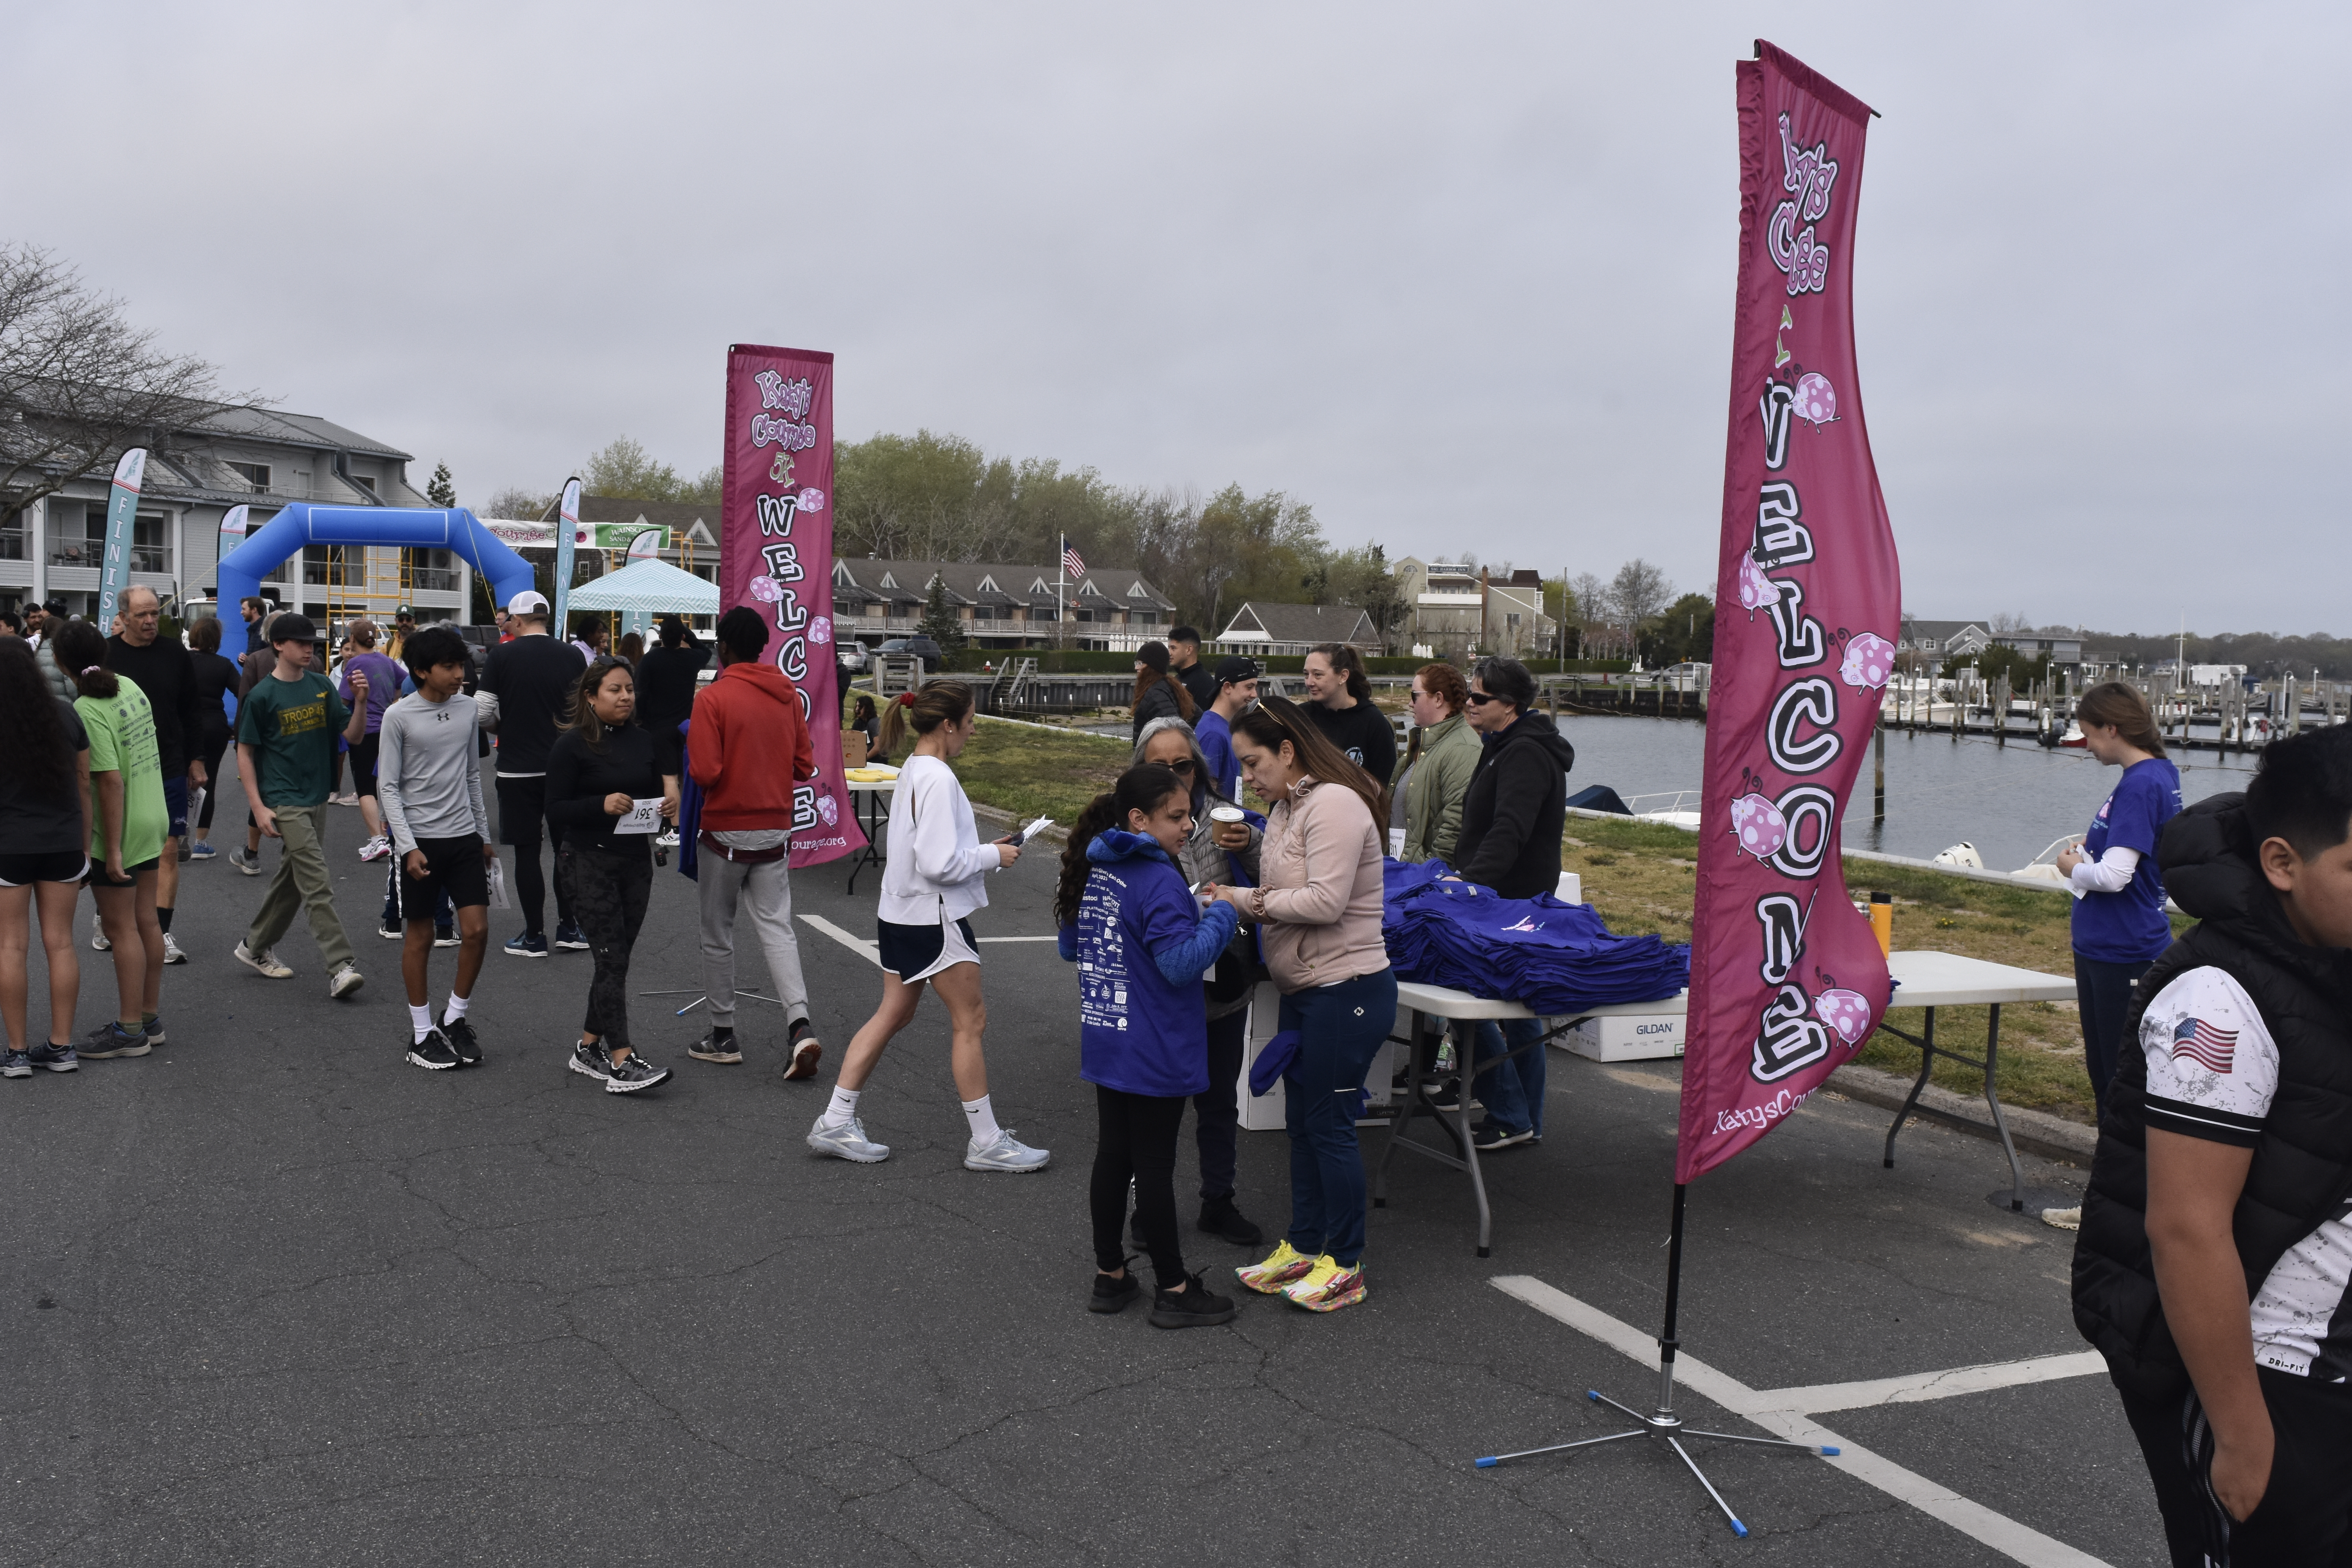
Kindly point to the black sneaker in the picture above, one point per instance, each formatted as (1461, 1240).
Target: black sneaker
(568, 934)
(459, 1033)
(590, 1061)
(433, 1052)
(1489, 1136)
(717, 1046)
(1224, 1221)
(111, 1039)
(806, 1052)
(632, 1073)
(1113, 1295)
(14, 1063)
(445, 936)
(151, 1025)
(1191, 1308)
(391, 931)
(55, 1057)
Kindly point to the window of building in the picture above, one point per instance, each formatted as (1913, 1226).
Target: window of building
(329, 565)
(365, 483)
(255, 474)
(12, 536)
(75, 540)
(429, 571)
(151, 542)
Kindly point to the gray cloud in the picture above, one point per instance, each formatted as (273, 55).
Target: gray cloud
(1458, 278)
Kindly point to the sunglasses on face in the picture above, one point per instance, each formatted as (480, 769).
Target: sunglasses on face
(1183, 767)
(1480, 698)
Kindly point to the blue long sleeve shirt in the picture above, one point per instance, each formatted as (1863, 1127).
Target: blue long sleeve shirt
(1142, 944)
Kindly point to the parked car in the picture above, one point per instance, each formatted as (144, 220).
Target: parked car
(1685, 671)
(852, 656)
(923, 649)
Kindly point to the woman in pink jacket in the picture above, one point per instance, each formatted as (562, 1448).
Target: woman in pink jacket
(1318, 910)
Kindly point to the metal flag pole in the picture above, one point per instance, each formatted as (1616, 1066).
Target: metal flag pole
(1663, 1424)
(1061, 571)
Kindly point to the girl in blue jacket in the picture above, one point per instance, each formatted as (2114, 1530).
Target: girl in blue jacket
(1142, 943)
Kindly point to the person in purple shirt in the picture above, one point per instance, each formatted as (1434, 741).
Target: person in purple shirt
(1236, 689)
(384, 676)
(2120, 923)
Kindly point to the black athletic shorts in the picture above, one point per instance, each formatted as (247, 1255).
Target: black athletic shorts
(57, 865)
(364, 766)
(915, 952)
(99, 879)
(453, 866)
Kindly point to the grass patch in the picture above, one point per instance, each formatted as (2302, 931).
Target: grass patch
(1033, 773)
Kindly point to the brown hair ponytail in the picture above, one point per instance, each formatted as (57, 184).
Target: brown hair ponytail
(2112, 703)
(941, 702)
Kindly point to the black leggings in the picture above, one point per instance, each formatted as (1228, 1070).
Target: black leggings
(210, 748)
(609, 894)
(2104, 991)
(1137, 1142)
(522, 808)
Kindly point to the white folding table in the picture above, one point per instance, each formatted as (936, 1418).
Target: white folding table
(1927, 979)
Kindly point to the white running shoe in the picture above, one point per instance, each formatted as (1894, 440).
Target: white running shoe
(172, 953)
(1007, 1154)
(848, 1142)
(346, 980)
(375, 848)
(263, 962)
(98, 942)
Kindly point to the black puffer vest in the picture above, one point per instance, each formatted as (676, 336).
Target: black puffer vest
(2303, 1167)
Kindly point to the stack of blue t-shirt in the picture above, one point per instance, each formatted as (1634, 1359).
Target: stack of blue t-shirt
(1553, 958)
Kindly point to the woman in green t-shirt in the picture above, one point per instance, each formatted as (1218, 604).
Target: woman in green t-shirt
(127, 823)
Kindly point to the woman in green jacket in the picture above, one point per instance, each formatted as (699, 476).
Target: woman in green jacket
(1445, 752)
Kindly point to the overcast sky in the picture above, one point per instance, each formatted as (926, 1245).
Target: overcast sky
(1459, 276)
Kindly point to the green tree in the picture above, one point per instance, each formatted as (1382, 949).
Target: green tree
(2000, 660)
(941, 623)
(439, 490)
(1682, 632)
(625, 470)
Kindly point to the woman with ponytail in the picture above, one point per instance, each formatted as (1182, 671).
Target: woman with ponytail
(2119, 924)
(1126, 919)
(1318, 910)
(127, 819)
(1157, 694)
(936, 877)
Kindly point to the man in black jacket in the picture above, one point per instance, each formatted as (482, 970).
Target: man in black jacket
(165, 674)
(2217, 1234)
(533, 679)
(1512, 815)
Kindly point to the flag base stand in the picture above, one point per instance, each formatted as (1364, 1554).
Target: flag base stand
(1662, 1425)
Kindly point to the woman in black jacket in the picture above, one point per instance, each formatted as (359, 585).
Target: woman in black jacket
(1511, 820)
(665, 684)
(215, 678)
(1157, 694)
(599, 769)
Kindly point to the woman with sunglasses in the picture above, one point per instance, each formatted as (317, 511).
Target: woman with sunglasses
(1215, 852)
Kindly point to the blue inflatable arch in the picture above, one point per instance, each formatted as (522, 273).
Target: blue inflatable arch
(418, 528)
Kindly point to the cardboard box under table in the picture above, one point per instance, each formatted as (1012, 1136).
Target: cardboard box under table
(1922, 980)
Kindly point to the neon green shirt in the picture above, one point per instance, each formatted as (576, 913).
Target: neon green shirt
(122, 730)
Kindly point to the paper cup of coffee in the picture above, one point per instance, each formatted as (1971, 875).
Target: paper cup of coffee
(1226, 813)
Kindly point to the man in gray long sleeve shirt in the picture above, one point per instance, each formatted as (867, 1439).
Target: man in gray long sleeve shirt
(429, 782)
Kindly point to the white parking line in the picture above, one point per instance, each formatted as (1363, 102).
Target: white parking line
(868, 950)
(1767, 1409)
(1927, 1386)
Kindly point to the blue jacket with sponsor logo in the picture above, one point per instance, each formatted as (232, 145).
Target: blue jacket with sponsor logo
(1142, 944)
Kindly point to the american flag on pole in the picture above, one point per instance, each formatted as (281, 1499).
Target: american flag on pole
(2201, 1043)
(1071, 563)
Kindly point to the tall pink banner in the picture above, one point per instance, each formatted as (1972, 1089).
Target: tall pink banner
(775, 554)
(1787, 980)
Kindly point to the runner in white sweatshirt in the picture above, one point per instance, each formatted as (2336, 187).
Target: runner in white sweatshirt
(934, 879)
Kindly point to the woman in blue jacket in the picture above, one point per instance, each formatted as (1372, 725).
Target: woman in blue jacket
(1142, 943)
(2119, 926)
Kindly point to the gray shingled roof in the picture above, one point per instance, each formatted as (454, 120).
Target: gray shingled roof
(1305, 623)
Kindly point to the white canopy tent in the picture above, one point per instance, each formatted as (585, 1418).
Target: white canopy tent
(647, 588)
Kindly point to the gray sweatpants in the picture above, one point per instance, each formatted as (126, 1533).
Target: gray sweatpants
(764, 891)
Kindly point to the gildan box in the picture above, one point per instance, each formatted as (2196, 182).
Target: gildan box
(1640, 1037)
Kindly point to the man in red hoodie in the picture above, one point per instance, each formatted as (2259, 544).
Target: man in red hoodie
(747, 746)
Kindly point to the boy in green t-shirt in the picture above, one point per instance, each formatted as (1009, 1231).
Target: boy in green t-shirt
(286, 754)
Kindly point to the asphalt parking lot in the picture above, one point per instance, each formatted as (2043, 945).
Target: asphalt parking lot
(275, 1296)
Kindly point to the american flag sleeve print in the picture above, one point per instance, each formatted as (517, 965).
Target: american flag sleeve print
(2212, 1067)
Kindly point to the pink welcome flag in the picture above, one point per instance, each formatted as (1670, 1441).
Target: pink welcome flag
(775, 554)
(1787, 980)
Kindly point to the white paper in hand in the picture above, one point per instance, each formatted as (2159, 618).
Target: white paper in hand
(497, 873)
(643, 816)
(1033, 829)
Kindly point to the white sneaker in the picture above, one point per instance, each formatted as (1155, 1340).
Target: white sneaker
(346, 980)
(98, 942)
(263, 962)
(846, 1141)
(375, 848)
(172, 953)
(1007, 1154)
